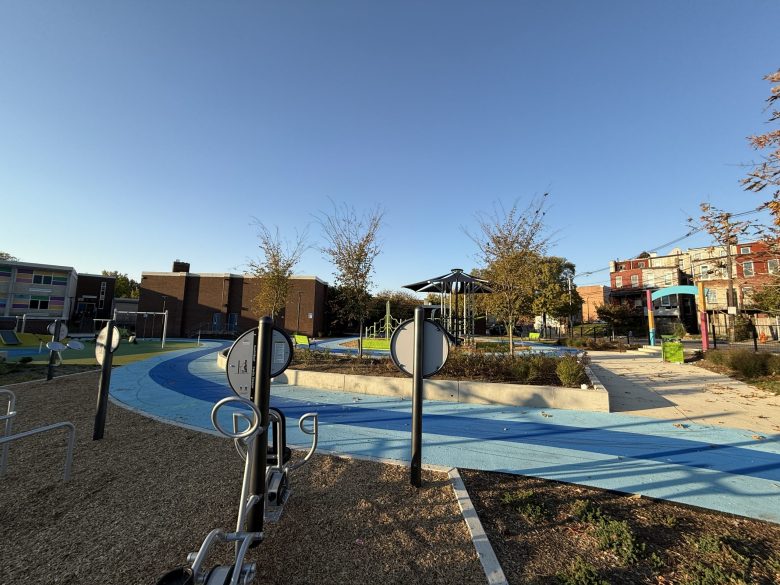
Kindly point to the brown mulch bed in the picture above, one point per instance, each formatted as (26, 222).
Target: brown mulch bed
(548, 532)
(148, 493)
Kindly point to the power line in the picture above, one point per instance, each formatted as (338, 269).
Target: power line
(681, 238)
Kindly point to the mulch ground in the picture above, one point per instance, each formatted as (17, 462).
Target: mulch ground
(550, 532)
(148, 493)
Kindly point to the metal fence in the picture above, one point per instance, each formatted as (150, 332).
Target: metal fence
(755, 331)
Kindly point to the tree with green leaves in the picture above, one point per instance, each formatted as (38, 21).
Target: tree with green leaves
(556, 295)
(273, 269)
(511, 244)
(124, 286)
(352, 245)
(7, 256)
(622, 317)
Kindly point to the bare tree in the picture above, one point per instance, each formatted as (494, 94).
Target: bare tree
(351, 244)
(7, 256)
(511, 244)
(274, 269)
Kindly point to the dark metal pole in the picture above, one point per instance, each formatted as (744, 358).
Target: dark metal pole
(261, 396)
(714, 337)
(417, 397)
(54, 337)
(105, 381)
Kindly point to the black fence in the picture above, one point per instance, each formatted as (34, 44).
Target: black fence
(744, 330)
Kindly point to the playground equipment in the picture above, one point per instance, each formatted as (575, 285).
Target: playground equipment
(458, 320)
(383, 328)
(263, 494)
(6, 438)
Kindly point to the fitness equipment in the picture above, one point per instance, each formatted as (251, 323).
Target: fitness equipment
(262, 497)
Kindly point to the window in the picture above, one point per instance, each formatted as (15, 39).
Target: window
(704, 272)
(711, 295)
(635, 280)
(744, 250)
(641, 265)
(39, 278)
(773, 266)
(618, 281)
(638, 303)
(747, 269)
(649, 279)
(747, 292)
(697, 256)
(667, 279)
(41, 303)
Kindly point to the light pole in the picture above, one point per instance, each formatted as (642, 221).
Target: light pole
(298, 316)
(164, 298)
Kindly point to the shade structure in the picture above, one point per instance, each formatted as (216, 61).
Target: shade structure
(458, 321)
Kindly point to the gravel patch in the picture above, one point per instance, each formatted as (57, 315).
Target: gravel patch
(148, 493)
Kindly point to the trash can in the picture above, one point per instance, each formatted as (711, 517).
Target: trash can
(672, 350)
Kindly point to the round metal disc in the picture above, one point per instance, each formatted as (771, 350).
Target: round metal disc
(56, 346)
(242, 357)
(103, 335)
(63, 330)
(436, 347)
(73, 344)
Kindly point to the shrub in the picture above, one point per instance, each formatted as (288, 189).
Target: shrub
(773, 364)
(581, 573)
(571, 372)
(679, 330)
(748, 363)
(717, 357)
(742, 330)
(25, 360)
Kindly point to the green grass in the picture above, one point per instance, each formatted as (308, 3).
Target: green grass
(126, 353)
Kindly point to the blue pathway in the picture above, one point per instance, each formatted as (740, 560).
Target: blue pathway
(717, 468)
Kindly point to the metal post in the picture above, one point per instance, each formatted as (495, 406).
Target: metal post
(298, 315)
(165, 328)
(417, 397)
(261, 396)
(105, 381)
(714, 337)
(55, 337)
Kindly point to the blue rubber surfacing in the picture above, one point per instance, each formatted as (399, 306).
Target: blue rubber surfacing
(716, 468)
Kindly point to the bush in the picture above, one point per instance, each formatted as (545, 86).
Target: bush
(773, 364)
(25, 360)
(717, 357)
(748, 363)
(742, 329)
(571, 372)
(679, 330)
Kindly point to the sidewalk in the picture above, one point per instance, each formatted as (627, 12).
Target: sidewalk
(642, 385)
(674, 459)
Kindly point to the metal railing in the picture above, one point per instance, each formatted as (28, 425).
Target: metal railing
(8, 438)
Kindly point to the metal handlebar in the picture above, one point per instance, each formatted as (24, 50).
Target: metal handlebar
(254, 425)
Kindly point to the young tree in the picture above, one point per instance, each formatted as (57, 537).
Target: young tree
(510, 247)
(7, 256)
(274, 269)
(620, 317)
(124, 286)
(351, 244)
(766, 174)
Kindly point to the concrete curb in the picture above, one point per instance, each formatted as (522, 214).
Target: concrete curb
(594, 399)
(597, 385)
(493, 572)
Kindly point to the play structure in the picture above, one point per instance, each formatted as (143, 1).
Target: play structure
(255, 357)
(456, 295)
(701, 295)
(383, 328)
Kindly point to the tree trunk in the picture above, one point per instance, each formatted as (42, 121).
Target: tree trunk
(360, 339)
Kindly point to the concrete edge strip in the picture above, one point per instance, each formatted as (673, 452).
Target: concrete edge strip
(97, 369)
(493, 572)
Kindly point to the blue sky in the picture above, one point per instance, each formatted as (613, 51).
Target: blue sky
(135, 133)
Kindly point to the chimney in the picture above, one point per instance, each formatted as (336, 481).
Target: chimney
(180, 266)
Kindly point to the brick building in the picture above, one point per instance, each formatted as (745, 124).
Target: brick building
(593, 295)
(220, 304)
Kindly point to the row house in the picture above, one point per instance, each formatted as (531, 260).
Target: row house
(753, 265)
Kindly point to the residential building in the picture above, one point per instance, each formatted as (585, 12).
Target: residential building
(593, 296)
(33, 295)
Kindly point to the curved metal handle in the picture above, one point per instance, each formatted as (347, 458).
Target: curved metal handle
(254, 426)
(314, 432)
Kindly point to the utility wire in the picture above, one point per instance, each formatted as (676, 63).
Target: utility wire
(681, 238)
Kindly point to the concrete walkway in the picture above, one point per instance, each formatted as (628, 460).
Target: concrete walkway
(643, 385)
(674, 459)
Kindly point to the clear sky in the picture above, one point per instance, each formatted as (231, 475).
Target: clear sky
(133, 133)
